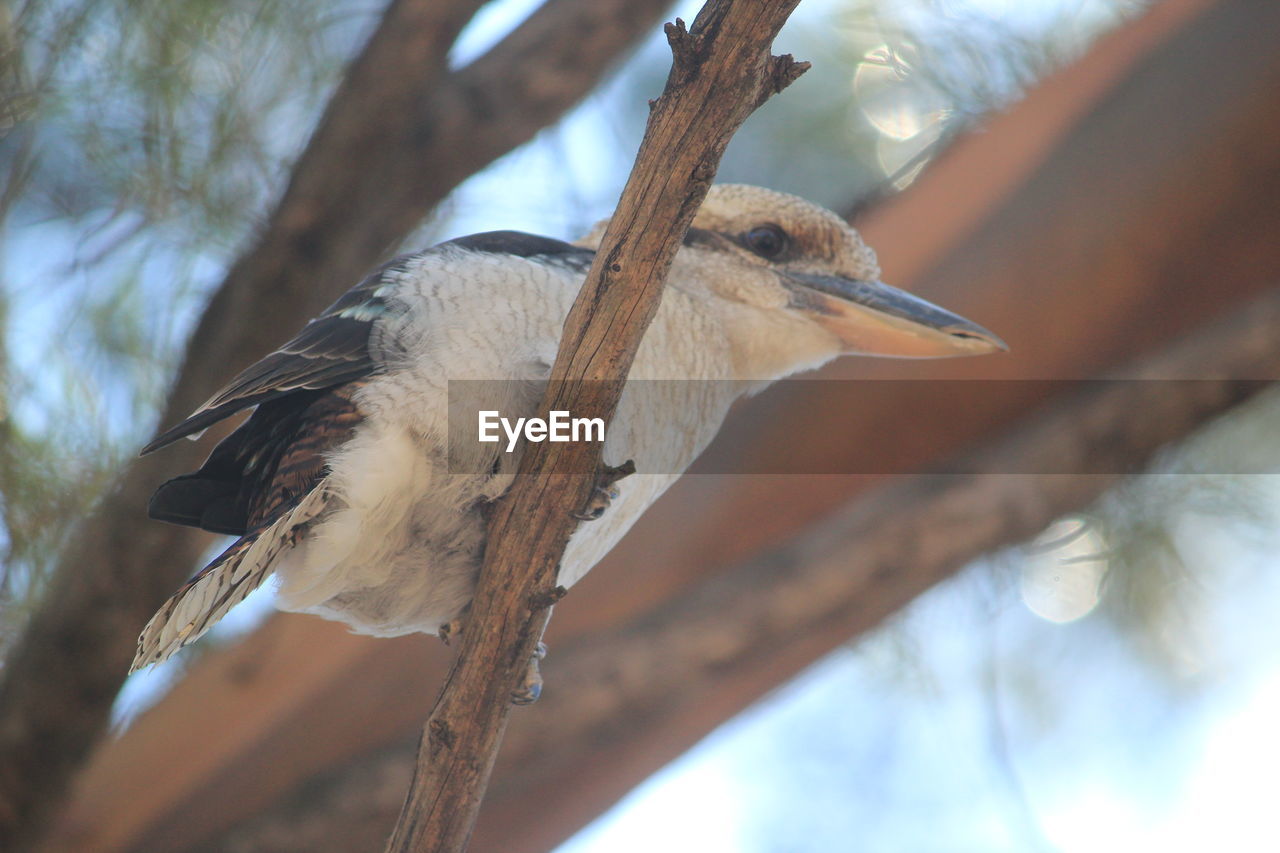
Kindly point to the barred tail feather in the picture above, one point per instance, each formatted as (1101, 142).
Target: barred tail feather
(224, 583)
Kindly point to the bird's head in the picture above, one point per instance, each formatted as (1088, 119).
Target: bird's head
(798, 286)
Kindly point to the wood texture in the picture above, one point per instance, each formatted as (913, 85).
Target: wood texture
(722, 69)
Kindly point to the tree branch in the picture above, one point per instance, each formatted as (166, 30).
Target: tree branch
(398, 135)
(721, 71)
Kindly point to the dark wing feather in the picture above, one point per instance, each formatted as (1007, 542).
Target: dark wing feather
(521, 245)
(265, 466)
(298, 461)
(334, 347)
(330, 350)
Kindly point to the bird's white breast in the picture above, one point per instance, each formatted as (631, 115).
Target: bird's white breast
(401, 552)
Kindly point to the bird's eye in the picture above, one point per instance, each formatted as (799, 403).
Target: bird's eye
(767, 241)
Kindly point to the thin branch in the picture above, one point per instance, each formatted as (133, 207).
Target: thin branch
(721, 71)
(397, 136)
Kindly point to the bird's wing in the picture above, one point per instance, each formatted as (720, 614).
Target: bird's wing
(334, 347)
(270, 460)
(266, 481)
(330, 350)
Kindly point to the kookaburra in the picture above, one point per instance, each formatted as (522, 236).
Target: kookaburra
(339, 485)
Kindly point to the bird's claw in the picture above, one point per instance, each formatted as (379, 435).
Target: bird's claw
(449, 630)
(603, 493)
(531, 687)
(601, 498)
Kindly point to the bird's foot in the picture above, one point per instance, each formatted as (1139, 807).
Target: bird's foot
(603, 493)
(601, 498)
(531, 687)
(449, 630)
(452, 629)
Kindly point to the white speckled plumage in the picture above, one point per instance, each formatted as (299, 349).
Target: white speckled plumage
(400, 539)
(400, 556)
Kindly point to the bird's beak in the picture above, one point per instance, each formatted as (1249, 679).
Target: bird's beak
(873, 318)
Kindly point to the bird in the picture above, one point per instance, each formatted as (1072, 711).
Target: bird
(343, 483)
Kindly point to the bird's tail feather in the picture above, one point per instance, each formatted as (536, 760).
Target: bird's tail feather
(225, 582)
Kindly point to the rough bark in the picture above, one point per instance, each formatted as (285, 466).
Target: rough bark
(398, 135)
(722, 70)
